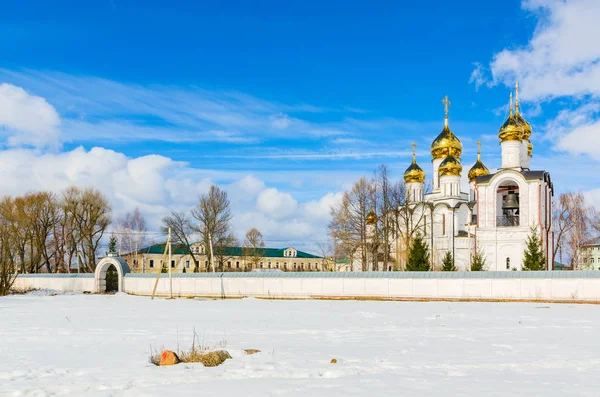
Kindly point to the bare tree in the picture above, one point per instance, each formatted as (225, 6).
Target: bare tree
(90, 213)
(214, 216)
(254, 248)
(384, 199)
(224, 252)
(408, 219)
(349, 220)
(132, 234)
(562, 222)
(8, 257)
(327, 250)
(182, 232)
(572, 229)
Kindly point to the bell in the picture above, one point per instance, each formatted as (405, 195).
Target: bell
(511, 202)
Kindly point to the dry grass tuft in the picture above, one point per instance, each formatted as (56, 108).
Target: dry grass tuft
(208, 359)
(251, 351)
(154, 356)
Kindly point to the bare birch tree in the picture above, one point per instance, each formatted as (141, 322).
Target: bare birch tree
(213, 214)
(131, 234)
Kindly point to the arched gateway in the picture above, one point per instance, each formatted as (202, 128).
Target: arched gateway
(100, 274)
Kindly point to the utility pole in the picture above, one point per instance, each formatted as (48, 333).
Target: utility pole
(170, 267)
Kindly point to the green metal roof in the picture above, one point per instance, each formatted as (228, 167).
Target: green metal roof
(227, 251)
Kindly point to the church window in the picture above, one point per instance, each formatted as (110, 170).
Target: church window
(507, 263)
(151, 263)
(443, 224)
(187, 264)
(172, 264)
(237, 264)
(229, 264)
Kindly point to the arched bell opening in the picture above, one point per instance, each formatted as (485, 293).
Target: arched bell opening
(508, 206)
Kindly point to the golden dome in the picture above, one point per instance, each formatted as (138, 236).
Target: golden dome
(446, 143)
(511, 130)
(529, 149)
(519, 117)
(450, 167)
(371, 217)
(414, 173)
(478, 168)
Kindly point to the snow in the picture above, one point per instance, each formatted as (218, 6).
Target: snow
(98, 345)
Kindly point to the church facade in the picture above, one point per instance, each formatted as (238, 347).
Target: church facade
(495, 216)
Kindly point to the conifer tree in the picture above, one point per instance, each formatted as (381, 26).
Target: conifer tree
(418, 257)
(448, 263)
(534, 256)
(478, 263)
(112, 245)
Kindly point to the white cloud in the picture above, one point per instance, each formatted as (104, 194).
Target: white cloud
(280, 121)
(158, 185)
(276, 204)
(577, 131)
(28, 119)
(246, 189)
(477, 76)
(561, 60)
(320, 210)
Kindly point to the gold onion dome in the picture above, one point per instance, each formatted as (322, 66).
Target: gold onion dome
(511, 130)
(450, 167)
(519, 117)
(371, 217)
(446, 143)
(529, 149)
(414, 173)
(478, 169)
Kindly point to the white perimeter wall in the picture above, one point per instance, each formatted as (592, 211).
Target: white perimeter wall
(416, 288)
(56, 283)
(587, 289)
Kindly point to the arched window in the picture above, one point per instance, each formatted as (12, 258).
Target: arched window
(507, 263)
(443, 224)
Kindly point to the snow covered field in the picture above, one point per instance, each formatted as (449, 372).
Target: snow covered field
(84, 345)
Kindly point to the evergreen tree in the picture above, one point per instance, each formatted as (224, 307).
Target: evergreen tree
(112, 245)
(478, 263)
(534, 256)
(448, 263)
(418, 256)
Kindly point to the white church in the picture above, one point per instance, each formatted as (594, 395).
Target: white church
(499, 211)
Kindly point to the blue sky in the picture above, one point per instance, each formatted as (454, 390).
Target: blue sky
(283, 103)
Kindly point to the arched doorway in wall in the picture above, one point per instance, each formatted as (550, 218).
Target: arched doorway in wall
(102, 273)
(112, 280)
